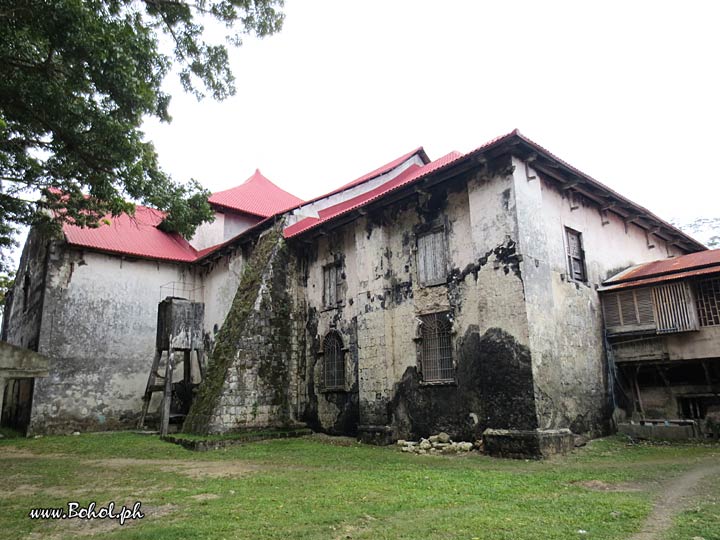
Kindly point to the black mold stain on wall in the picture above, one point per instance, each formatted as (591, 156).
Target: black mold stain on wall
(346, 402)
(494, 390)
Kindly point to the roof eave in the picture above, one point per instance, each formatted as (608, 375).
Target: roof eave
(224, 207)
(570, 177)
(515, 143)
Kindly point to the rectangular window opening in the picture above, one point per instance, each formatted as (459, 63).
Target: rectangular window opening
(436, 347)
(708, 302)
(575, 255)
(331, 278)
(432, 258)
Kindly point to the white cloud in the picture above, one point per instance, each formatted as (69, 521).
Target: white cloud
(626, 92)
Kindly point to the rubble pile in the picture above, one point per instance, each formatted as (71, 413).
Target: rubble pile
(438, 444)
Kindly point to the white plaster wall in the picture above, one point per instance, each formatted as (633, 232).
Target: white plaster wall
(99, 329)
(220, 282)
(209, 234)
(565, 320)
(227, 225)
(492, 210)
(237, 223)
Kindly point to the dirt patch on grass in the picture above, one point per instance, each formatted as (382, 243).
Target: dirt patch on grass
(193, 469)
(20, 453)
(205, 497)
(28, 490)
(91, 527)
(599, 485)
(674, 496)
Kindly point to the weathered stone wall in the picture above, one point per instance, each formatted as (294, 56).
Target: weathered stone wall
(98, 328)
(564, 316)
(332, 410)
(24, 305)
(382, 299)
(250, 370)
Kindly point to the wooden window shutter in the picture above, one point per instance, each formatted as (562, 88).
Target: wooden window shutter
(431, 258)
(611, 310)
(629, 310)
(575, 255)
(330, 277)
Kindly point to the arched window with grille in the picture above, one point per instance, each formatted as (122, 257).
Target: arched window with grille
(333, 361)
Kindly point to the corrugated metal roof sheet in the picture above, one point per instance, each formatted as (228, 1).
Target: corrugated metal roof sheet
(257, 196)
(408, 176)
(693, 264)
(661, 279)
(136, 236)
(139, 236)
(402, 180)
(383, 169)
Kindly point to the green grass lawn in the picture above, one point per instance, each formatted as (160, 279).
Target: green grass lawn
(310, 488)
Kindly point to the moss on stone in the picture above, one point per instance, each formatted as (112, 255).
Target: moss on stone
(268, 258)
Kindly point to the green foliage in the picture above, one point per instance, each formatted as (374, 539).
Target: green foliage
(6, 284)
(76, 79)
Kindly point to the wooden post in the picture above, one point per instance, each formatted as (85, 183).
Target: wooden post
(201, 362)
(167, 394)
(187, 367)
(148, 389)
(637, 390)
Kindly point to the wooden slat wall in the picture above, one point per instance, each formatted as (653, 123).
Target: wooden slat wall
(674, 308)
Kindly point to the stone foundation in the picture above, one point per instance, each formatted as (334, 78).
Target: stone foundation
(669, 432)
(379, 435)
(524, 444)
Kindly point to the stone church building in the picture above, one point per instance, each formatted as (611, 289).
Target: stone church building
(451, 295)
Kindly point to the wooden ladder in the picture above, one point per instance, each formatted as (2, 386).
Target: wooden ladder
(165, 386)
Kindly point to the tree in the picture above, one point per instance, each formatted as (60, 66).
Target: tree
(7, 281)
(76, 79)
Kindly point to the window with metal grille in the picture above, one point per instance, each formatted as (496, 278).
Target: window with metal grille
(331, 277)
(436, 359)
(333, 361)
(674, 307)
(708, 302)
(575, 255)
(627, 311)
(432, 258)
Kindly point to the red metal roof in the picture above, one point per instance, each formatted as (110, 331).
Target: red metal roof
(404, 179)
(693, 264)
(135, 236)
(411, 174)
(257, 196)
(661, 279)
